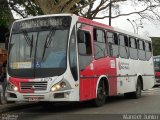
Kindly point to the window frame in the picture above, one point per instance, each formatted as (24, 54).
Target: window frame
(105, 41)
(85, 31)
(143, 44)
(112, 43)
(136, 47)
(150, 49)
(126, 47)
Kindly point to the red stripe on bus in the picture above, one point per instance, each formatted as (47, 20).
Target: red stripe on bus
(94, 23)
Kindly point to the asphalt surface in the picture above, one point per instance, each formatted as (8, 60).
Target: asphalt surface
(117, 108)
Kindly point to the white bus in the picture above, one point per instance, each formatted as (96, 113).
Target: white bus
(64, 57)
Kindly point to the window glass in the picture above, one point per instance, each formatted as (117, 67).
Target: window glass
(148, 50)
(141, 45)
(84, 46)
(123, 49)
(99, 35)
(141, 51)
(148, 46)
(133, 48)
(112, 44)
(133, 43)
(99, 44)
(84, 43)
(121, 40)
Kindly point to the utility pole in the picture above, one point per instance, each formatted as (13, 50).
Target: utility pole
(110, 12)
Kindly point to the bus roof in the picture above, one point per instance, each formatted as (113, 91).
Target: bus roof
(42, 16)
(90, 22)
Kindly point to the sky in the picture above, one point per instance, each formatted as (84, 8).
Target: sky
(150, 29)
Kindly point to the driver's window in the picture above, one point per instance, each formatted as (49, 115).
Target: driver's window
(84, 46)
(84, 42)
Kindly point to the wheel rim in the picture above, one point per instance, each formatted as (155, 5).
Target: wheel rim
(100, 93)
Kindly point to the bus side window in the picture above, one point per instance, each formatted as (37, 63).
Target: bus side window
(99, 44)
(84, 42)
(123, 49)
(133, 48)
(84, 47)
(112, 44)
(141, 50)
(148, 50)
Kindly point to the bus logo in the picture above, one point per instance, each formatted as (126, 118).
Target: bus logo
(123, 65)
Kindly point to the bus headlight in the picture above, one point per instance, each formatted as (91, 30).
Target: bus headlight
(12, 87)
(62, 85)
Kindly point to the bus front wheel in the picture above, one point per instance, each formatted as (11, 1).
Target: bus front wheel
(101, 95)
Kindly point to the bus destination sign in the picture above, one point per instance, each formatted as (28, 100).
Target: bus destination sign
(63, 21)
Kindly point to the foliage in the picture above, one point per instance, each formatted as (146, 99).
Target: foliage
(5, 13)
(91, 9)
(25, 8)
(156, 45)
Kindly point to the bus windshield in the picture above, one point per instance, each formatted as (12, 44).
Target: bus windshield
(39, 50)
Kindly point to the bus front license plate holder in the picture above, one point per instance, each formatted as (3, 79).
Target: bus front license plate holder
(33, 99)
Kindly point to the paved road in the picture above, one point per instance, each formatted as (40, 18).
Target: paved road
(115, 107)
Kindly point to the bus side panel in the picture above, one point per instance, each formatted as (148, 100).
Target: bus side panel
(87, 84)
(112, 75)
(148, 76)
(107, 67)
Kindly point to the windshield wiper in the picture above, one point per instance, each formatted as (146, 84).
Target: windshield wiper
(48, 40)
(28, 40)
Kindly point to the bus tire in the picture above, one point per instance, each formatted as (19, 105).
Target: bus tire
(101, 95)
(137, 94)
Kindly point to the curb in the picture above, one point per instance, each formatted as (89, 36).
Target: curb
(15, 106)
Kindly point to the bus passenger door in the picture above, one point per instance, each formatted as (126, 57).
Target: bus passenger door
(85, 61)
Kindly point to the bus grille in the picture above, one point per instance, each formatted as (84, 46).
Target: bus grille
(37, 86)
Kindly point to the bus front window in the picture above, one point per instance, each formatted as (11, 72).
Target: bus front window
(38, 47)
(52, 53)
(21, 52)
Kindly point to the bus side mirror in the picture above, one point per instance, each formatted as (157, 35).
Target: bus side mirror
(80, 36)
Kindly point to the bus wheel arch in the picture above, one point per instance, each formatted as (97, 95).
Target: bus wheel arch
(102, 90)
(139, 88)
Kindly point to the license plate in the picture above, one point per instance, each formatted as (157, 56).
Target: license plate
(33, 99)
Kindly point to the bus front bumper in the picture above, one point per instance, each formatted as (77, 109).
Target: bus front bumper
(66, 95)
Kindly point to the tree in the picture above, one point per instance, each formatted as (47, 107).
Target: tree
(25, 8)
(156, 44)
(91, 9)
(5, 13)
